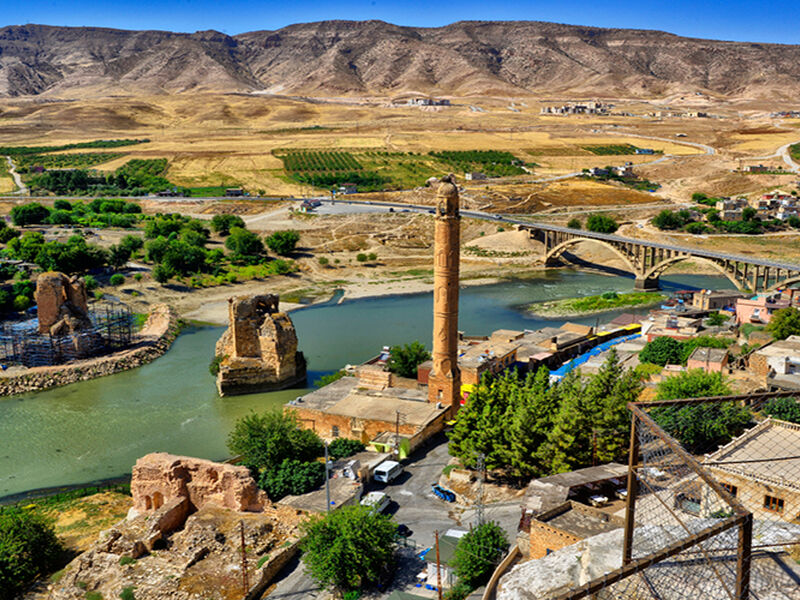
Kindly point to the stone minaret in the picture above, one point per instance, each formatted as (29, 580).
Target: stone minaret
(444, 382)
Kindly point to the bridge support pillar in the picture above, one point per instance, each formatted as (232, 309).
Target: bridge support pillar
(646, 285)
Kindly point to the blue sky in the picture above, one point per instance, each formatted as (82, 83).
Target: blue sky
(766, 21)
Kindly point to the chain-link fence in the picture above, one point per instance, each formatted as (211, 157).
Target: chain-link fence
(705, 521)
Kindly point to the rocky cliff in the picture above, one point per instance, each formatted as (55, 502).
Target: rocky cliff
(374, 57)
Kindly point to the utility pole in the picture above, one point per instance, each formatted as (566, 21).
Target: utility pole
(479, 502)
(327, 482)
(438, 567)
(245, 582)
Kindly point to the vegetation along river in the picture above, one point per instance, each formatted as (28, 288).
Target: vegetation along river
(97, 429)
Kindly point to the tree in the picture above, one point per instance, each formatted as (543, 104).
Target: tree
(703, 427)
(222, 224)
(478, 553)
(292, 478)
(132, 243)
(343, 447)
(283, 242)
(749, 213)
(716, 319)
(785, 409)
(693, 384)
(349, 548)
(662, 351)
(601, 224)
(161, 274)
(62, 205)
(118, 255)
(668, 219)
(28, 548)
(265, 440)
(404, 360)
(574, 223)
(29, 214)
(784, 322)
(243, 243)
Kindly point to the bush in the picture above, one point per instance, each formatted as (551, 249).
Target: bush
(478, 553)
(243, 243)
(29, 214)
(127, 560)
(601, 224)
(330, 378)
(703, 427)
(785, 409)
(575, 223)
(222, 224)
(22, 303)
(323, 262)
(28, 548)
(662, 351)
(117, 279)
(404, 360)
(127, 593)
(784, 322)
(213, 366)
(361, 257)
(343, 447)
(292, 478)
(62, 205)
(90, 283)
(161, 274)
(283, 242)
(7, 234)
(458, 592)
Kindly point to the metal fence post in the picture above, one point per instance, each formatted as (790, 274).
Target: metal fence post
(743, 558)
(633, 490)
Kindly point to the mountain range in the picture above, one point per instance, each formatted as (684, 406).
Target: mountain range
(376, 58)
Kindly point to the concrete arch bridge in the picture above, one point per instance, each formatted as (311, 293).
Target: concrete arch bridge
(649, 260)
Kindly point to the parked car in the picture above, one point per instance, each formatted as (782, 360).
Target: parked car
(377, 501)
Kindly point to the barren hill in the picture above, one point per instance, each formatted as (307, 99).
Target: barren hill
(373, 57)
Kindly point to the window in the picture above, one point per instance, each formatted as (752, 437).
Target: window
(732, 489)
(773, 504)
(334, 431)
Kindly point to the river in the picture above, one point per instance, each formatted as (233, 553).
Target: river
(97, 429)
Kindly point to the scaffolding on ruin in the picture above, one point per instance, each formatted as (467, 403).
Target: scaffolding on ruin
(22, 344)
(721, 523)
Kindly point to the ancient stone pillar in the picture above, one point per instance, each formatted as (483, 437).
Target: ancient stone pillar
(444, 383)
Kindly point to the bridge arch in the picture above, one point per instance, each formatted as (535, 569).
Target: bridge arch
(656, 271)
(559, 249)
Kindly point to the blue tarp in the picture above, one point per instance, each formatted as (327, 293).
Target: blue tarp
(582, 358)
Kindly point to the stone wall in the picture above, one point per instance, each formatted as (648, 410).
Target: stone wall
(160, 478)
(61, 303)
(156, 337)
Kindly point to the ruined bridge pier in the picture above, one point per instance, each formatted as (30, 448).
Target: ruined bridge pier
(648, 261)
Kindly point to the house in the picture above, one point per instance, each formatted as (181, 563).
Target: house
(447, 552)
(549, 492)
(715, 300)
(759, 310)
(731, 215)
(761, 469)
(348, 188)
(309, 205)
(669, 325)
(567, 524)
(778, 362)
(624, 171)
(598, 172)
(475, 176)
(234, 192)
(710, 360)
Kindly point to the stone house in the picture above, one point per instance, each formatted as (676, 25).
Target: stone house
(778, 362)
(568, 524)
(761, 469)
(715, 300)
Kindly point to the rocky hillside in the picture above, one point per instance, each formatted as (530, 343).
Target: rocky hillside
(373, 57)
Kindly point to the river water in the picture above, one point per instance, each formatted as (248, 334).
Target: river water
(97, 429)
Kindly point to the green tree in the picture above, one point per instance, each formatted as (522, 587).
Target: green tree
(693, 384)
(292, 477)
(716, 319)
(749, 213)
(662, 351)
(283, 242)
(117, 279)
(349, 548)
(222, 224)
(29, 214)
(343, 447)
(784, 322)
(668, 219)
(243, 243)
(162, 274)
(601, 224)
(21, 303)
(404, 360)
(265, 440)
(28, 548)
(62, 205)
(478, 553)
(575, 223)
(132, 243)
(118, 255)
(785, 409)
(90, 282)
(703, 427)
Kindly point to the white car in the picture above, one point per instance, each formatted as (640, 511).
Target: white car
(377, 501)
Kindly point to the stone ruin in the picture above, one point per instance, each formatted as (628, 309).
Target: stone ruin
(61, 304)
(259, 349)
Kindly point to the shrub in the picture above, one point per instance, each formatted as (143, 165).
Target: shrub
(127, 593)
(662, 351)
(21, 303)
(361, 257)
(343, 447)
(222, 224)
(478, 553)
(575, 223)
(161, 274)
(138, 276)
(98, 295)
(117, 279)
(126, 560)
(330, 378)
(283, 242)
(785, 409)
(244, 243)
(90, 282)
(213, 366)
(62, 205)
(323, 262)
(372, 256)
(28, 548)
(29, 214)
(292, 477)
(601, 224)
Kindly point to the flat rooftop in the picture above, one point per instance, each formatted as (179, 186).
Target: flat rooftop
(587, 475)
(581, 524)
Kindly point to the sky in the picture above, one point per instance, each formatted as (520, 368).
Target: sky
(737, 20)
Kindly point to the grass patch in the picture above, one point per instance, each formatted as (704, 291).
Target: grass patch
(212, 191)
(93, 596)
(614, 149)
(599, 303)
(126, 560)
(262, 561)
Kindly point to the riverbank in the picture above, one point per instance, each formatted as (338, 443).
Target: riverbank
(589, 305)
(161, 328)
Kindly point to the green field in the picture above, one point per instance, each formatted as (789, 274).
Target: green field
(21, 150)
(614, 149)
(64, 161)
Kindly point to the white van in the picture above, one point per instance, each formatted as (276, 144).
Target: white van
(377, 501)
(387, 471)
